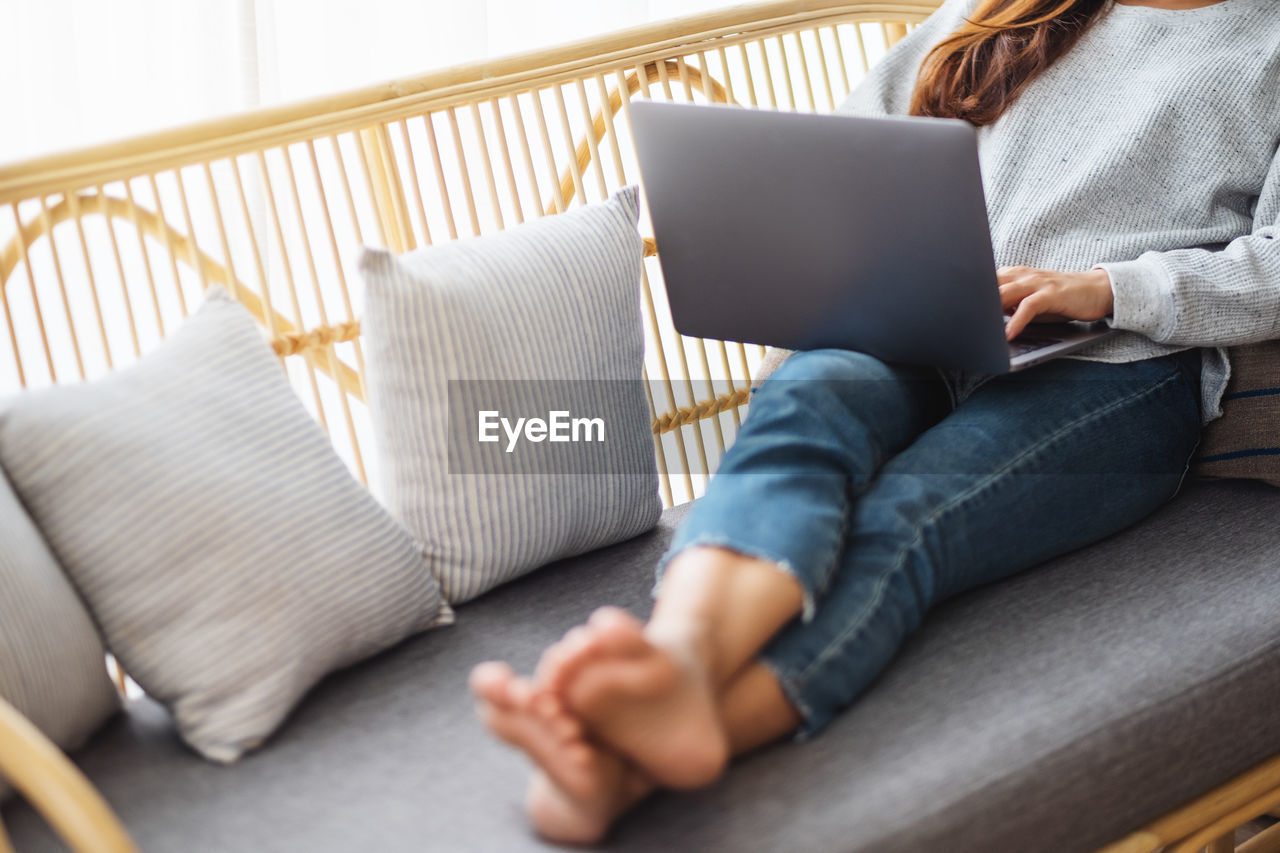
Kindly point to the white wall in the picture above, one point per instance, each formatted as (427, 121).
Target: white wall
(75, 72)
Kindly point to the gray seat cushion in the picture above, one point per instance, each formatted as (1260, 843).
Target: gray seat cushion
(1053, 711)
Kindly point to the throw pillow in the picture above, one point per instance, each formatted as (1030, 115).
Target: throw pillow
(1245, 441)
(227, 554)
(504, 377)
(52, 665)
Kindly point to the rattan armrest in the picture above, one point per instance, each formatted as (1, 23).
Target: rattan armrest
(56, 788)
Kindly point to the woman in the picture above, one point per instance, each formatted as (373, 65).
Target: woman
(1129, 151)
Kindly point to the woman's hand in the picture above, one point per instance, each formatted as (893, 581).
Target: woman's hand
(1052, 297)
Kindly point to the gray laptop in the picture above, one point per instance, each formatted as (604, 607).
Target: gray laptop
(810, 231)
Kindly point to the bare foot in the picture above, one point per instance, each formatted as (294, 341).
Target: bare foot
(578, 789)
(561, 662)
(649, 698)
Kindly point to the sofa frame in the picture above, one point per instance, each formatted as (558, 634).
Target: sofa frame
(106, 248)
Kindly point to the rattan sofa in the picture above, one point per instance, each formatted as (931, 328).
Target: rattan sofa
(1122, 697)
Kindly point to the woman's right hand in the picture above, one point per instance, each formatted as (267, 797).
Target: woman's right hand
(1048, 296)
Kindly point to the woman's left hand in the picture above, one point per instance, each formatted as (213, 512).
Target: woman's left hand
(1052, 297)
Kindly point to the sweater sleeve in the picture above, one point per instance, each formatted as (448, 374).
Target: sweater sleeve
(887, 88)
(1198, 297)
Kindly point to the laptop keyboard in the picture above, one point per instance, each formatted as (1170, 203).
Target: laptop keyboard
(1028, 341)
(1017, 348)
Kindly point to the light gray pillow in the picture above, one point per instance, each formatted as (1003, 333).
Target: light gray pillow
(539, 318)
(52, 665)
(227, 554)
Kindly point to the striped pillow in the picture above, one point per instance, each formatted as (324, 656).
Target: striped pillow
(57, 679)
(1245, 441)
(225, 551)
(540, 318)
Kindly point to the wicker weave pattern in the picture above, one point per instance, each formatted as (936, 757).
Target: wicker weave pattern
(102, 252)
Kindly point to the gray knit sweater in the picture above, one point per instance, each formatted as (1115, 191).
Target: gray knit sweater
(1150, 150)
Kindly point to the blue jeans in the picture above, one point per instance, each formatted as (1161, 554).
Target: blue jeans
(885, 488)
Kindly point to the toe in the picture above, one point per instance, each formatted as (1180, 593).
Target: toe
(491, 681)
(552, 714)
(609, 615)
(562, 661)
(545, 704)
(522, 693)
(566, 728)
(549, 664)
(505, 725)
(543, 741)
(618, 632)
(577, 646)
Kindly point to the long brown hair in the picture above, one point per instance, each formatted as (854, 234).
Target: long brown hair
(978, 71)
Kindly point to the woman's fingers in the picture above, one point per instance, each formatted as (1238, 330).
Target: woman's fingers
(1023, 289)
(1014, 292)
(1017, 283)
(1026, 311)
(1008, 274)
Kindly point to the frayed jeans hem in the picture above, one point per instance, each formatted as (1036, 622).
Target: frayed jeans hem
(810, 724)
(713, 540)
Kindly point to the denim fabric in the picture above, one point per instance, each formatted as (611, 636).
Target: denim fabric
(885, 488)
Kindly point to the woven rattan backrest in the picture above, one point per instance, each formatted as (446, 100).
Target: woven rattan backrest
(104, 250)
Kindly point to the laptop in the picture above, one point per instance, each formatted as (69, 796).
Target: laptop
(812, 231)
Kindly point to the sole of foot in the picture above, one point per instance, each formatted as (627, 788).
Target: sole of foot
(578, 789)
(652, 702)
